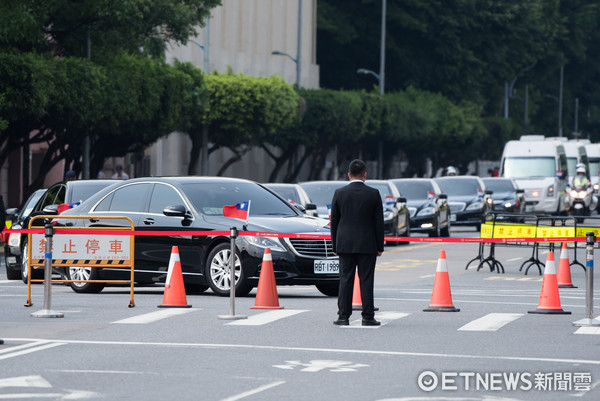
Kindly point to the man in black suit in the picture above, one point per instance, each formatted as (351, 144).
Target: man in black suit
(357, 237)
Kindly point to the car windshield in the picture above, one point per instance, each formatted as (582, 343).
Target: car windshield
(497, 185)
(30, 204)
(286, 192)
(526, 167)
(384, 189)
(82, 191)
(209, 198)
(322, 193)
(414, 190)
(459, 186)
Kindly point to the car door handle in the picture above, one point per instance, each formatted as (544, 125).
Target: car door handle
(94, 220)
(149, 221)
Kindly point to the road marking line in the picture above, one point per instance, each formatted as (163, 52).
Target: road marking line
(252, 392)
(30, 350)
(427, 276)
(321, 350)
(25, 381)
(513, 259)
(154, 316)
(474, 302)
(491, 322)
(588, 330)
(383, 317)
(265, 317)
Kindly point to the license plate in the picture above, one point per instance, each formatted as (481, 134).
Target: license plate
(452, 217)
(528, 208)
(327, 266)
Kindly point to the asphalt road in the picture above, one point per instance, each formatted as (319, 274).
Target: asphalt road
(493, 349)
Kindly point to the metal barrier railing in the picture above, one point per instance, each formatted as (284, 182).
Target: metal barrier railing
(64, 246)
(509, 225)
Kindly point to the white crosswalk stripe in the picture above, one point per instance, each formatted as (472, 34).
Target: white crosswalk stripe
(490, 322)
(384, 317)
(265, 317)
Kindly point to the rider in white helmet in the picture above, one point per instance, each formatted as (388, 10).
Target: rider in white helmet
(451, 171)
(580, 180)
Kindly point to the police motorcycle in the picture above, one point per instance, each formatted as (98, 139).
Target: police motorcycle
(581, 199)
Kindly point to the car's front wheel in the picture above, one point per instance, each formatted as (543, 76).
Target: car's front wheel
(218, 274)
(35, 273)
(84, 273)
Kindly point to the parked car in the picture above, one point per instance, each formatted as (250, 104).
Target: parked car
(296, 195)
(468, 198)
(59, 196)
(505, 194)
(12, 261)
(427, 205)
(396, 218)
(321, 193)
(196, 203)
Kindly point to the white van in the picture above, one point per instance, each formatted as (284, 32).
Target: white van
(539, 167)
(593, 153)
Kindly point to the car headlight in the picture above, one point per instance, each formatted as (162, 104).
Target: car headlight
(475, 206)
(14, 240)
(508, 205)
(550, 192)
(388, 215)
(426, 211)
(266, 242)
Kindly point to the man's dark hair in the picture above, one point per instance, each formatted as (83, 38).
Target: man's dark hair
(357, 168)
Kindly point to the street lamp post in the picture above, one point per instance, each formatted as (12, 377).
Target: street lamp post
(298, 59)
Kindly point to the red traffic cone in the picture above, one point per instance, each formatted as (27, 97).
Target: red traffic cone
(564, 269)
(441, 297)
(356, 297)
(266, 293)
(549, 298)
(174, 296)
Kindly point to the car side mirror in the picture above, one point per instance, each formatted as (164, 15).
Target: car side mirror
(310, 206)
(50, 209)
(299, 207)
(520, 191)
(13, 211)
(489, 192)
(443, 196)
(401, 199)
(175, 211)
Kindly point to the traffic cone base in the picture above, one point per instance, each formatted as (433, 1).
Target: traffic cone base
(564, 269)
(549, 303)
(266, 292)
(441, 297)
(174, 296)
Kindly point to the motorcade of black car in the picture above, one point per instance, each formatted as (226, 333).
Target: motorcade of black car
(468, 198)
(427, 205)
(321, 193)
(296, 195)
(174, 204)
(60, 196)
(396, 219)
(505, 194)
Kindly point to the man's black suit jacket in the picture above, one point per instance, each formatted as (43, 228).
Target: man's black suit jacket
(357, 219)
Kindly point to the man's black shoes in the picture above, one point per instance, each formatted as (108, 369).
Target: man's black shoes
(370, 322)
(342, 322)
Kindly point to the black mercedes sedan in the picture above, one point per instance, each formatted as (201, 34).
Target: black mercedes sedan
(507, 197)
(428, 206)
(174, 204)
(468, 198)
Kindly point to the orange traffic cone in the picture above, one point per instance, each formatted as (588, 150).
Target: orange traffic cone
(549, 298)
(441, 297)
(266, 293)
(174, 296)
(564, 269)
(356, 297)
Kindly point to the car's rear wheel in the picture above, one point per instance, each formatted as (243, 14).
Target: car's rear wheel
(35, 273)
(329, 289)
(218, 274)
(84, 273)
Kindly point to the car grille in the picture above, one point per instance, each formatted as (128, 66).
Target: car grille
(312, 248)
(457, 206)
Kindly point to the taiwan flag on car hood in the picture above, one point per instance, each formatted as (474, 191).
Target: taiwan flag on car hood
(237, 211)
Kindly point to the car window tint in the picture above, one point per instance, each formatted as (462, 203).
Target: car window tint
(322, 193)
(209, 198)
(31, 202)
(82, 191)
(286, 192)
(104, 206)
(130, 198)
(51, 195)
(163, 196)
(414, 189)
(384, 189)
(459, 186)
(499, 185)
